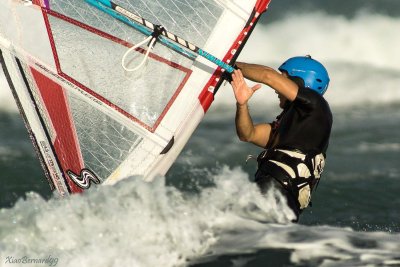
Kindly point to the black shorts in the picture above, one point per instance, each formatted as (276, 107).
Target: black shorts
(265, 182)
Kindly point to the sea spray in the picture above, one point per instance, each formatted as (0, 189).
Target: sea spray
(138, 223)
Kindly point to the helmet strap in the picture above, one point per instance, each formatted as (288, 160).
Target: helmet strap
(297, 80)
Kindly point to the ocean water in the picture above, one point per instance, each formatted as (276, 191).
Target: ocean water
(206, 211)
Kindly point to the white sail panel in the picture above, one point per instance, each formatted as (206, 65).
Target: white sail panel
(191, 20)
(89, 59)
(104, 142)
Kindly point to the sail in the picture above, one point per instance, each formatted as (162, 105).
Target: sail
(90, 120)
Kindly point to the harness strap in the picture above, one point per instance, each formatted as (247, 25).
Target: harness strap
(267, 165)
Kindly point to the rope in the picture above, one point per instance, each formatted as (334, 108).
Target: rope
(152, 41)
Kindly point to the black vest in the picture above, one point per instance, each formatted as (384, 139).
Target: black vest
(296, 150)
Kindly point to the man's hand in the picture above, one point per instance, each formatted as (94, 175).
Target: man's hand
(240, 88)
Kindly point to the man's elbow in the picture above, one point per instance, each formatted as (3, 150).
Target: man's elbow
(268, 76)
(245, 138)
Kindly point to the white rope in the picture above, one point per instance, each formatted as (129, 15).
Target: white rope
(152, 41)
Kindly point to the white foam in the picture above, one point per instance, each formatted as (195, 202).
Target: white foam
(367, 39)
(364, 147)
(149, 224)
(144, 224)
(330, 246)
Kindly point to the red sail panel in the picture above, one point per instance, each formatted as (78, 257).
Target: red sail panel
(66, 143)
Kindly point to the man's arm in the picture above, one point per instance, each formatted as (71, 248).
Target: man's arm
(248, 132)
(266, 75)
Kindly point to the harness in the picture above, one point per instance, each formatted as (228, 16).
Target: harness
(298, 173)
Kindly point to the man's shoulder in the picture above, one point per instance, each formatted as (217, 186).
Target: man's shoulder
(310, 101)
(306, 96)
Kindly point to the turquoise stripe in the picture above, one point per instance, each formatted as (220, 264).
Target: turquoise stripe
(106, 7)
(215, 60)
(106, 3)
(99, 5)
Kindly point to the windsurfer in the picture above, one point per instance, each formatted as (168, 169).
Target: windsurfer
(296, 142)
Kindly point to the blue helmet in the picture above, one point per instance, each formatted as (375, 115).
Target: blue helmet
(313, 73)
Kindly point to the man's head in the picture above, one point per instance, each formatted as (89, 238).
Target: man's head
(307, 72)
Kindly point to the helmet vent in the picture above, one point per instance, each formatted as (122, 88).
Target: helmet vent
(319, 80)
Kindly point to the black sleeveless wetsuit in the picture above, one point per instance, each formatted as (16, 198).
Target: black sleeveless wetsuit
(304, 126)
